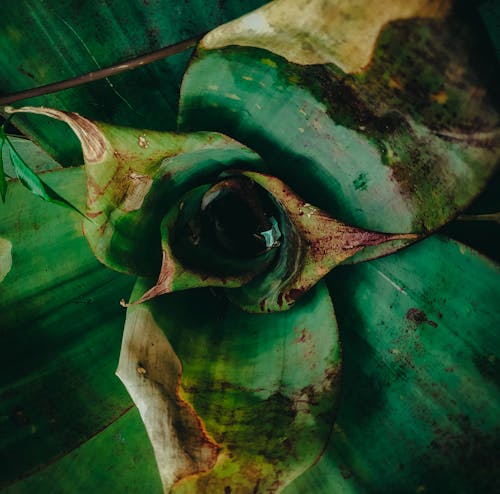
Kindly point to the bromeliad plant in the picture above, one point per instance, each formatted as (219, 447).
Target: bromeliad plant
(314, 135)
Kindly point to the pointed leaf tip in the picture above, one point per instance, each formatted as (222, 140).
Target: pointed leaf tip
(315, 243)
(93, 142)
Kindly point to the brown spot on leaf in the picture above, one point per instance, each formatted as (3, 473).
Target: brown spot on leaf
(293, 295)
(304, 337)
(419, 317)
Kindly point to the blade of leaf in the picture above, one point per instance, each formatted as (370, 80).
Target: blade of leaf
(402, 146)
(421, 383)
(117, 460)
(33, 182)
(60, 327)
(265, 388)
(129, 185)
(37, 158)
(320, 31)
(46, 42)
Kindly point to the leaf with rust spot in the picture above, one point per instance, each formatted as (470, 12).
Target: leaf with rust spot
(313, 244)
(421, 387)
(130, 186)
(261, 416)
(402, 146)
(151, 372)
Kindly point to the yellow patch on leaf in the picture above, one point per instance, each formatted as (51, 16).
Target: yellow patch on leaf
(307, 32)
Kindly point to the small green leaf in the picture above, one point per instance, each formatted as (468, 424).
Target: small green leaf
(37, 158)
(34, 183)
(28, 177)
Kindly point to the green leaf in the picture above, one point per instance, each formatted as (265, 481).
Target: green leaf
(41, 43)
(37, 158)
(104, 463)
(30, 179)
(263, 389)
(134, 176)
(61, 326)
(140, 184)
(313, 244)
(420, 396)
(402, 146)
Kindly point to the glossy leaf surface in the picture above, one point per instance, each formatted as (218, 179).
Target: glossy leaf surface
(134, 176)
(420, 401)
(265, 388)
(32, 154)
(402, 146)
(61, 327)
(44, 42)
(419, 407)
(27, 176)
(117, 460)
(135, 182)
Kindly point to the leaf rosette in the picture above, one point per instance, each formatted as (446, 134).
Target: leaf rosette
(292, 162)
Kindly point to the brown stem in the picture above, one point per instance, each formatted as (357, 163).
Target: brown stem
(103, 73)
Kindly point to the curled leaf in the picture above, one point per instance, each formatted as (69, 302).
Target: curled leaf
(263, 390)
(305, 244)
(146, 196)
(314, 243)
(307, 32)
(151, 372)
(134, 176)
(191, 260)
(404, 145)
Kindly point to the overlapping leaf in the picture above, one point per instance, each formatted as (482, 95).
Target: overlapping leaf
(49, 41)
(401, 146)
(398, 147)
(419, 407)
(264, 388)
(61, 327)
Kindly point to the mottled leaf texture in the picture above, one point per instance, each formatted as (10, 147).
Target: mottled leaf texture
(66, 421)
(246, 403)
(400, 144)
(420, 393)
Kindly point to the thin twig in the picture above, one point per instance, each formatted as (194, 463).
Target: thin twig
(103, 73)
(480, 217)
